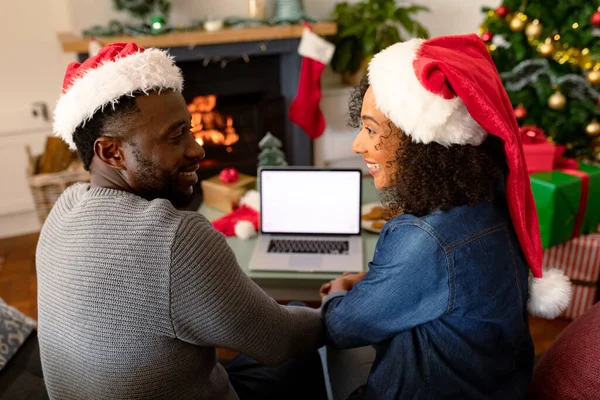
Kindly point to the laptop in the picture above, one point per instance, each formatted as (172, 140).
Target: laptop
(309, 220)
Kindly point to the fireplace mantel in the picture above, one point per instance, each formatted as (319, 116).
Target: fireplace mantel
(72, 43)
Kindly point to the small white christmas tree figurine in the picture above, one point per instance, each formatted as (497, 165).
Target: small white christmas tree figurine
(270, 154)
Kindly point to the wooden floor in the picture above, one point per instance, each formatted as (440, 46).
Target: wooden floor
(18, 288)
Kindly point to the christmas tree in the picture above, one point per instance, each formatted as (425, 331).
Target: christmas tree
(270, 154)
(548, 55)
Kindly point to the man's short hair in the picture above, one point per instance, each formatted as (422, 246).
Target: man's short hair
(109, 121)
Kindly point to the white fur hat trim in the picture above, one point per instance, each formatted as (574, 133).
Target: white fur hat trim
(421, 114)
(104, 85)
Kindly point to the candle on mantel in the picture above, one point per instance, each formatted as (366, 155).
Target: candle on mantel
(256, 9)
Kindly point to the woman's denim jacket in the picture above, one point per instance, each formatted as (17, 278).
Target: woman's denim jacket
(444, 304)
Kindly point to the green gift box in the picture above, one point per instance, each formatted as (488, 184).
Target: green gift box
(557, 196)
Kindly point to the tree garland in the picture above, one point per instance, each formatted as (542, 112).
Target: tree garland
(529, 71)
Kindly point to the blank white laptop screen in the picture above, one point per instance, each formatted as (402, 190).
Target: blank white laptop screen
(310, 201)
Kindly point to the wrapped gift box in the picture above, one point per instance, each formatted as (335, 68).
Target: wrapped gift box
(562, 212)
(584, 297)
(226, 196)
(539, 157)
(579, 258)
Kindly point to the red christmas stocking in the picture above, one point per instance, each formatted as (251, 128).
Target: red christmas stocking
(304, 110)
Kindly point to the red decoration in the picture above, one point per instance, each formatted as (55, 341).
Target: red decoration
(487, 36)
(502, 11)
(226, 224)
(596, 18)
(520, 112)
(229, 175)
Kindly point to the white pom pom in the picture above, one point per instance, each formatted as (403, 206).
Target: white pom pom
(549, 295)
(251, 199)
(244, 230)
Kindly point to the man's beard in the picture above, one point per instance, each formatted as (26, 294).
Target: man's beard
(155, 183)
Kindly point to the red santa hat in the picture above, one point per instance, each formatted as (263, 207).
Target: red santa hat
(117, 70)
(447, 90)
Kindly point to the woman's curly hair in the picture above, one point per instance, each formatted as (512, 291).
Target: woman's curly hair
(431, 176)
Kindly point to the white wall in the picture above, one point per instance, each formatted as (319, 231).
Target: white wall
(32, 62)
(31, 71)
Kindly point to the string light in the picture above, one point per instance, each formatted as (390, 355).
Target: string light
(561, 52)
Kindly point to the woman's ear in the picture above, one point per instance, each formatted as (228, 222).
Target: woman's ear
(109, 151)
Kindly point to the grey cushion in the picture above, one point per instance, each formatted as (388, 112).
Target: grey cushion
(15, 328)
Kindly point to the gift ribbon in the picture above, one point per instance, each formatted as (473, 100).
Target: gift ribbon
(583, 198)
(561, 162)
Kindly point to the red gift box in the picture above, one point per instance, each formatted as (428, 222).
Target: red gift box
(539, 157)
(584, 298)
(579, 258)
(540, 154)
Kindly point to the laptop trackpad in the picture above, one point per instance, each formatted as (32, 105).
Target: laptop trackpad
(307, 261)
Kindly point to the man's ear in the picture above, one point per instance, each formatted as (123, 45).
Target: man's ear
(109, 150)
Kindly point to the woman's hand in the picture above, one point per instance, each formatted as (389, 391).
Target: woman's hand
(345, 282)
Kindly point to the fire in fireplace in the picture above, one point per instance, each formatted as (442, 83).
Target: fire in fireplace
(230, 126)
(209, 126)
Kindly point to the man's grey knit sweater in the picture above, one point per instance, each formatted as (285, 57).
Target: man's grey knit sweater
(135, 295)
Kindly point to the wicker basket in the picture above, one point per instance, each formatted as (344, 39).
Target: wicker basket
(47, 188)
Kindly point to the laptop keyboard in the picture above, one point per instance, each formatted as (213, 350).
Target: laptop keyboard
(308, 246)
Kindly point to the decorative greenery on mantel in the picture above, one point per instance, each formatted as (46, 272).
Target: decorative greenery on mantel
(367, 27)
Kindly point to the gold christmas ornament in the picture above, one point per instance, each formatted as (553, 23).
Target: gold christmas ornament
(561, 52)
(593, 129)
(594, 77)
(533, 30)
(517, 22)
(557, 101)
(547, 48)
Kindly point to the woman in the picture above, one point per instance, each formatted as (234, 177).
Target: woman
(444, 303)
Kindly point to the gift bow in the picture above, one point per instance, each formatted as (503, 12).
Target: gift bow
(229, 175)
(532, 135)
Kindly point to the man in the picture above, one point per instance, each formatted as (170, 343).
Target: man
(134, 295)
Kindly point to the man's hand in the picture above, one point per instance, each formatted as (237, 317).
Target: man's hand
(345, 282)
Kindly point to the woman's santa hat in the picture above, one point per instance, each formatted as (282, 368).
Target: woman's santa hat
(447, 90)
(117, 70)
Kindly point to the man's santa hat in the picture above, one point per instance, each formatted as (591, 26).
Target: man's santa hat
(117, 70)
(447, 90)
